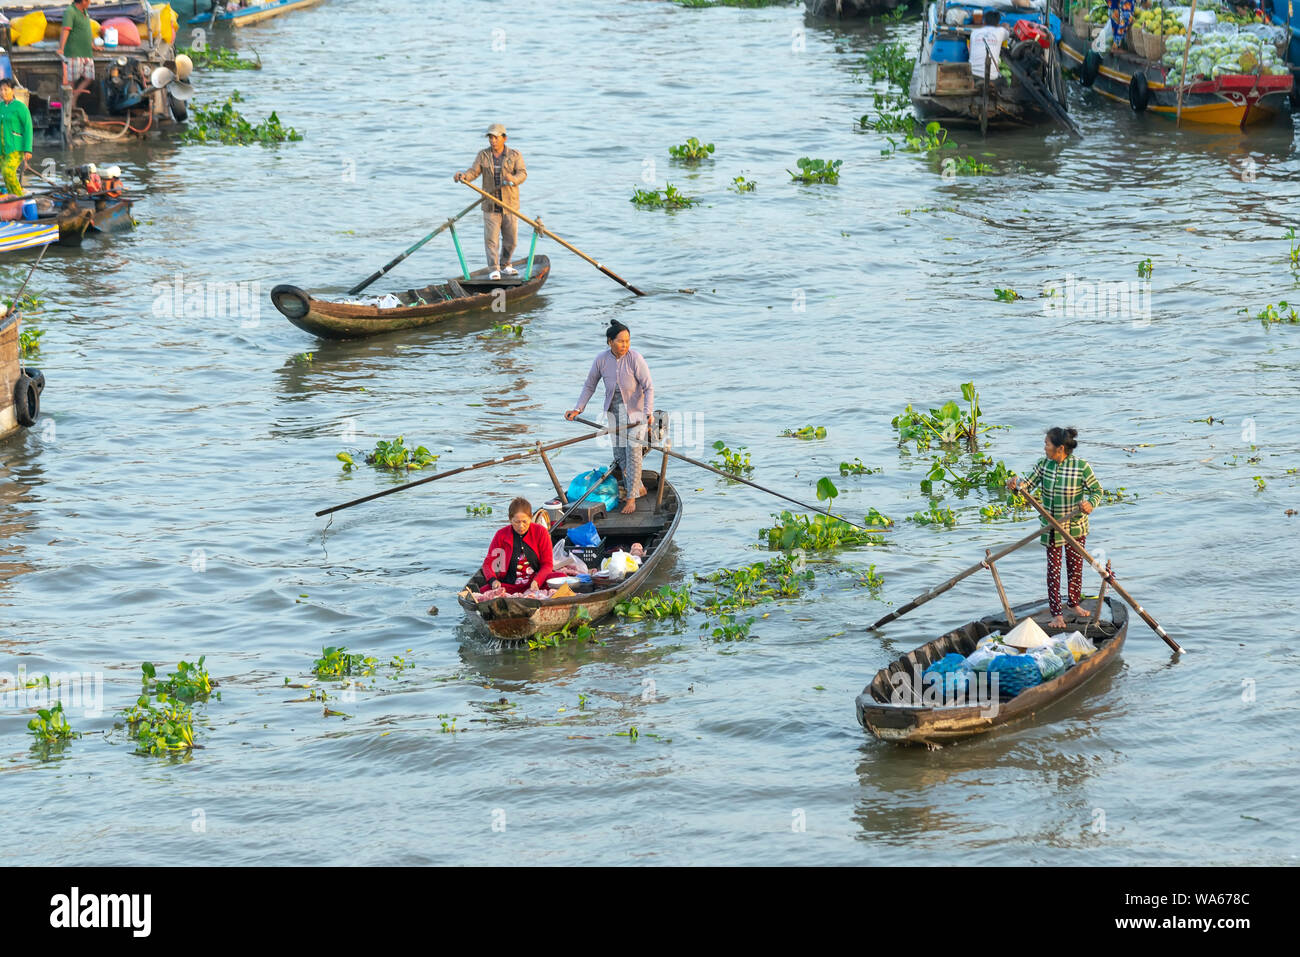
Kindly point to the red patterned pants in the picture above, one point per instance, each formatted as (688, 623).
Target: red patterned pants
(1074, 570)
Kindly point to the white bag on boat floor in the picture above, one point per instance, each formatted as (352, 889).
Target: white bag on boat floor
(1079, 646)
(562, 559)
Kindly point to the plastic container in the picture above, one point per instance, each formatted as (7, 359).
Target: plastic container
(950, 51)
(29, 209)
(110, 36)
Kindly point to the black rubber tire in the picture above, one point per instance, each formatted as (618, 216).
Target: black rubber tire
(27, 401)
(1090, 69)
(1139, 93)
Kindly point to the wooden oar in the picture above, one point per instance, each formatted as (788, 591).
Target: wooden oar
(23, 288)
(737, 478)
(375, 275)
(464, 468)
(938, 590)
(536, 224)
(1142, 612)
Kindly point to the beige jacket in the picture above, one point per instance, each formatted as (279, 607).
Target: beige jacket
(512, 171)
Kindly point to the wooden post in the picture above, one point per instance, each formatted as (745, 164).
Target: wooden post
(1101, 598)
(559, 489)
(663, 471)
(997, 580)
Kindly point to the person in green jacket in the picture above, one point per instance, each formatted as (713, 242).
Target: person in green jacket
(15, 137)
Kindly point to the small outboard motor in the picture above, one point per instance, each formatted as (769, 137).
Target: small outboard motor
(122, 87)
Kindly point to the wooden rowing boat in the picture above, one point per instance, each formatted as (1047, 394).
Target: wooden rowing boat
(892, 706)
(513, 618)
(419, 307)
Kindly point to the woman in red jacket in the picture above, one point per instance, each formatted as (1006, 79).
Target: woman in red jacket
(520, 554)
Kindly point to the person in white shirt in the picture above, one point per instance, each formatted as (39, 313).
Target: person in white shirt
(986, 45)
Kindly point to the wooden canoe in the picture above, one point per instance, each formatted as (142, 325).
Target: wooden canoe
(516, 619)
(891, 706)
(420, 307)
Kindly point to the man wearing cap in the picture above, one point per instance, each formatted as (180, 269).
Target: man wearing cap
(502, 170)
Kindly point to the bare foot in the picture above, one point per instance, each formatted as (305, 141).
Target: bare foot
(1080, 611)
(1057, 622)
(629, 508)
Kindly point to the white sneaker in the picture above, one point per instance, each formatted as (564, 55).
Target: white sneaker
(511, 271)
(494, 274)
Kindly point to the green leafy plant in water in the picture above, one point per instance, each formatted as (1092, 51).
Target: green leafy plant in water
(189, 682)
(692, 151)
(736, 462)
(337, 663)
(478, 509)
(163, 727)
(224, 124)
(966, 166)
(1007, 295)
(28, 303)
(889, 61)
(670, 197)
(504, 330)
(856, 468)
(893, 113)
(395, 455)
(50, 726)
(782, 577)
(935, 516)
(578, 627)
(1144, 268)
(1117, 495)
(665, 603)
(946, 425)
(219, 58)
(818, 532)
(806, 433)
(729, 628)
(1282, 312)
(29, 341)
(742, 185)
(1294, 256)
(981, 473)
(816, 171)
(1260, 484)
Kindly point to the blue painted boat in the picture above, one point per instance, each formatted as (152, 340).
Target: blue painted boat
(944, 88)
(24, 235)
(256, 13)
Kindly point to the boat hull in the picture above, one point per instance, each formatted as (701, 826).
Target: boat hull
(887, 707)
(517, 619)
(255, 14)
(332, 320)
(1232, 101)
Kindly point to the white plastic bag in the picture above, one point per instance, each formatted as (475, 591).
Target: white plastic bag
(1080, 647)
(1104, 39)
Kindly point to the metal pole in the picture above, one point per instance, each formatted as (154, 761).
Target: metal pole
(459, 255)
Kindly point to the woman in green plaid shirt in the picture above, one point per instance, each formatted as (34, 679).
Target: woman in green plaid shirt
(1067, 483)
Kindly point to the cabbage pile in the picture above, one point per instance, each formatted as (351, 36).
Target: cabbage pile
(1215, 54)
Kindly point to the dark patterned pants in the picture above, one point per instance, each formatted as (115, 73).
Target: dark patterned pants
(1074, 571)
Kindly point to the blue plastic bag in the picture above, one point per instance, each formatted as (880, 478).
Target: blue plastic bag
(606, 492)
(585, 536)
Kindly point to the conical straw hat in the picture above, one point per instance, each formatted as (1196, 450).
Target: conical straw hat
(1027, 634)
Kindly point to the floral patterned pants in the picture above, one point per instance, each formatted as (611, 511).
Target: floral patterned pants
(1074, 571)
(13, 183)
